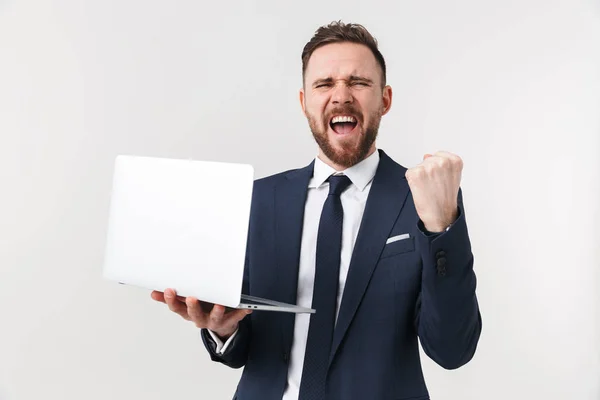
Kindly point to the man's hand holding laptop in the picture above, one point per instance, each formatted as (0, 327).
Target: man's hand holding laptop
(219, 319)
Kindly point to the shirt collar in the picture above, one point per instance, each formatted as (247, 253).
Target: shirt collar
(360, 174)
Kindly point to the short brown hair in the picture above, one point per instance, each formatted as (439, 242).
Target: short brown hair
(339, 32)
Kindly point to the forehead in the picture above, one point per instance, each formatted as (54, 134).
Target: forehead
(339, 60)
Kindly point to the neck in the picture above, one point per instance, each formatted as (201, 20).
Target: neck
(339, 167)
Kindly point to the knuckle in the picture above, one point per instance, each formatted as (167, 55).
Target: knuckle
(197, 317)
(190, 311)
(197, 320)
(214, 319)
(210, 324)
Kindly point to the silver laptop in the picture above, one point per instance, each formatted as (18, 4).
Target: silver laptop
(183, 224)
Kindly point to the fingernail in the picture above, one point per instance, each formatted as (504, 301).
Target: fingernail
(168, 294)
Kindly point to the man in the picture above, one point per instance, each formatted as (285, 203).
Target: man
(380, 251)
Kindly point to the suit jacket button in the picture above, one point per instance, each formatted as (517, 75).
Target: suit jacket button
(286, 357)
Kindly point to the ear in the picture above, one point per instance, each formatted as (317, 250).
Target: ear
(302, 101)
(387, 99)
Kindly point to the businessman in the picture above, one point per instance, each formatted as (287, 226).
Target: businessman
(382, 252)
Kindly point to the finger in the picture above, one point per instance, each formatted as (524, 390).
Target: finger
(174, 304)
(445, 159)
(238, 315)
(445, 154)
(233, 316)
(220, 317)
(158, 296)
(448, 155)
(426, 156)
(174, 293)
(196, 313)
(216, 315)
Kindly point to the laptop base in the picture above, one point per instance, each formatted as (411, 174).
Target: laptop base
(257, 303)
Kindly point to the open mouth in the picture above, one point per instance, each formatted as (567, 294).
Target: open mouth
(343, 124)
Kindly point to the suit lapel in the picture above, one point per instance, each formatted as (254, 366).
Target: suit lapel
(386, 199)
(290, 199)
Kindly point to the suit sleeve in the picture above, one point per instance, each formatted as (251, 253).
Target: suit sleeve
(236, 353)
(447, 316)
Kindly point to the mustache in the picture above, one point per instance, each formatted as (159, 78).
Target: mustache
(345, 110)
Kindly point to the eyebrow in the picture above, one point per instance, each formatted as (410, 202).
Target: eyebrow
(351, 78)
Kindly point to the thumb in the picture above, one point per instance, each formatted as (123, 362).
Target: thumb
(426, 156)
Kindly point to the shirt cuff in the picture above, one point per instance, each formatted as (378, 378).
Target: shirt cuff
(424, 231)
(221, 347)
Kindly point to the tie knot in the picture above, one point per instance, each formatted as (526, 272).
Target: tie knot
(337, 184)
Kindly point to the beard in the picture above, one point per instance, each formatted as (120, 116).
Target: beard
(351, 152)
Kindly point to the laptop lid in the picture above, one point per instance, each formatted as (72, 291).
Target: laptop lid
(179, 224)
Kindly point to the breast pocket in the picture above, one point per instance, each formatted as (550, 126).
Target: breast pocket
(395, 247)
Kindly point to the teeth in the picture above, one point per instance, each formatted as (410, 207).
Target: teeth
(343, 119)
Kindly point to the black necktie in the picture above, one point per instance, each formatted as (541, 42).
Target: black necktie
(327, 270)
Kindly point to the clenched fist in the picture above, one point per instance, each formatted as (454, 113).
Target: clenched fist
(434, 185)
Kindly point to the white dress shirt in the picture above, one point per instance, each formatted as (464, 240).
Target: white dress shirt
(353, 201)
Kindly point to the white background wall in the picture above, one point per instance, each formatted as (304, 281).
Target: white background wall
(513, 87)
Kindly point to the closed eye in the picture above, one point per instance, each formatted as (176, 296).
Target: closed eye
(352, 81)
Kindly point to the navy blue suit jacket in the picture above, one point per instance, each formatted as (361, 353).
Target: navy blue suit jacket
(418, 288)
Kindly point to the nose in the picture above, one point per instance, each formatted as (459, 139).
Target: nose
(342, 94)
